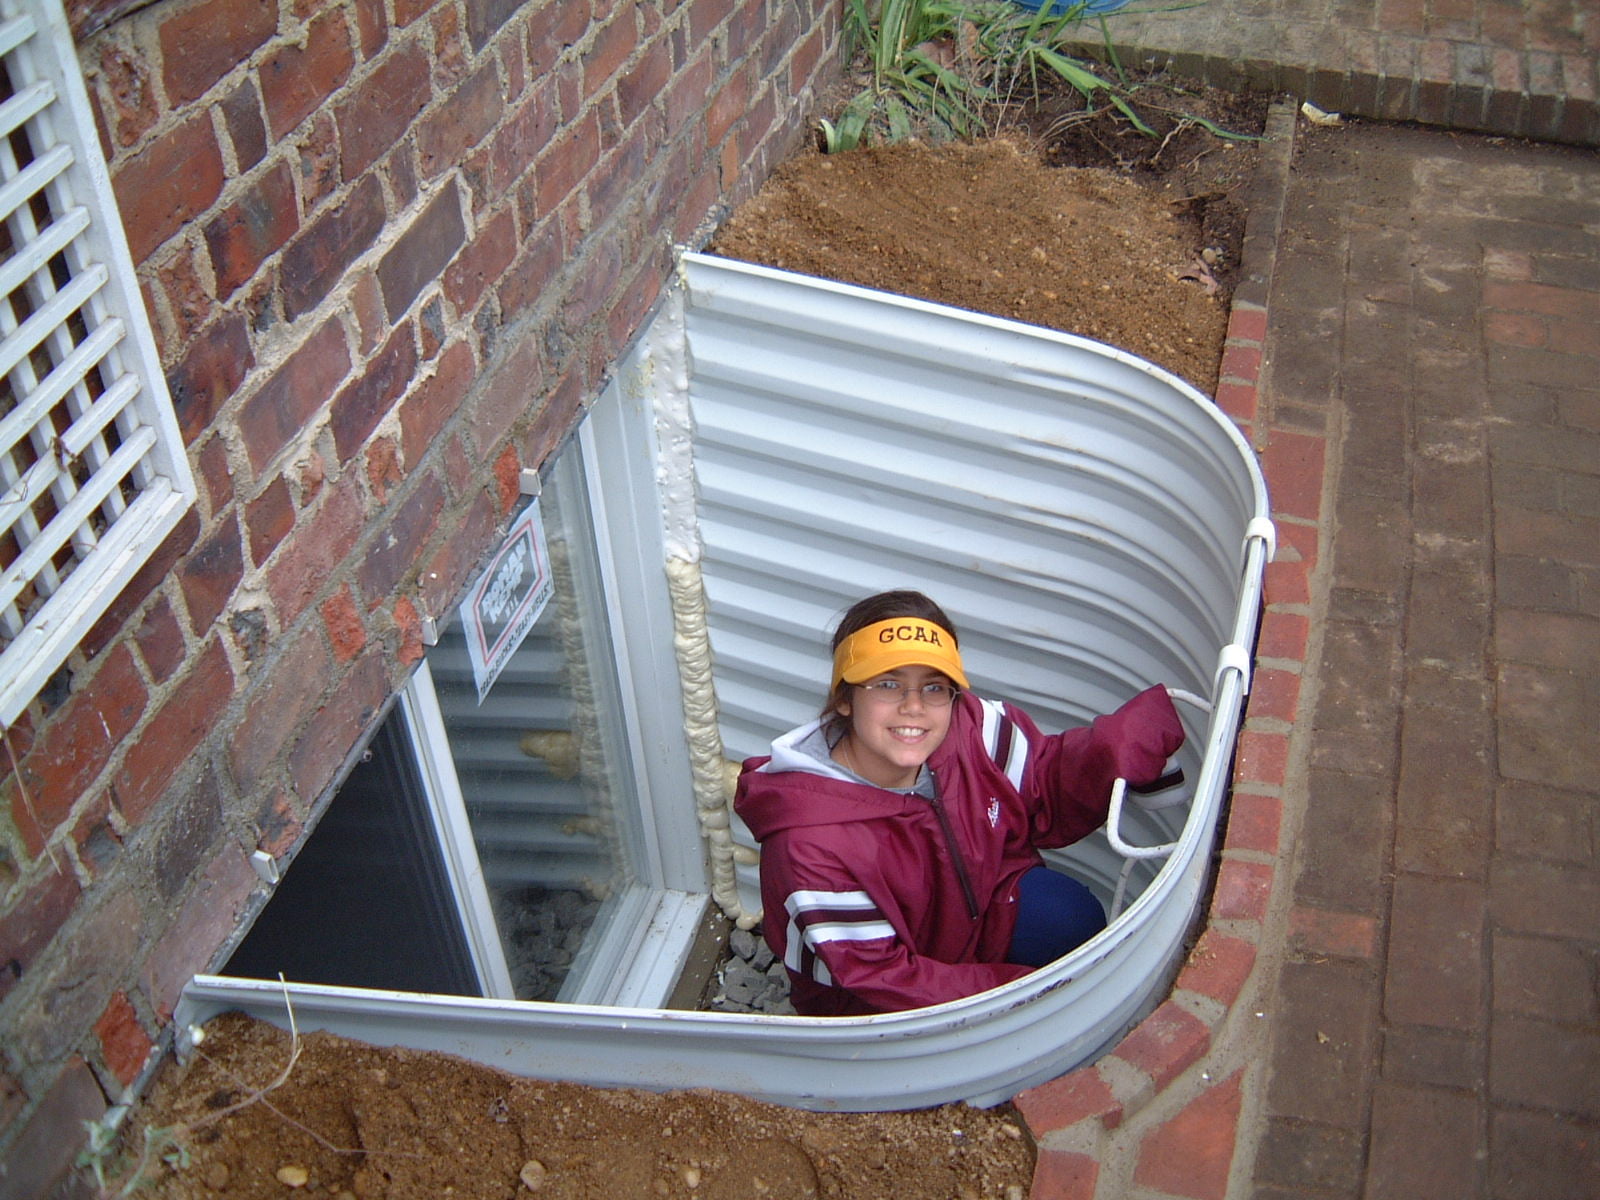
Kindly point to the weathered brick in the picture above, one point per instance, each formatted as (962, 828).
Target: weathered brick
(484, 260)
(375, 115)
(1165, 1044)
(125, 92)
(619, 172)
(408, 626)
(210, 574)
(317, 259)
(1065, 1175)
(191, 826)
(268, 519)
(290, 691)
(1336, 934)
(247, 129)
(304, 566)
(485, 18)
(1549, 899)
(1254, 822)
(209, 917)
(446, 572)
(342, 618)
(434, 401)
(402, 541)
(521, 137)
(507, 395)
(1302, 1156)
(508, 479)
(43, 1152)
(728, 104)
(407, 11)
(203, 42)
(1436, 969)
(1425, 1142)
(1192, 1153)
(173, 733)
(253, 227)
(645, 80)
(521, 287)
(297, 80)
(316, 158)
(552, 29)
(372, 26)
(1218, 967)
(145, 580)
(612, 46)
(1263, 758)
(563, 166)
(1079, 1095)
(283, 404)
(1539, 1155)
(420, 254)
(160, 641)
(189, 303)
(216, 474)
(71, 984)
(123, 1041)
(1546, 978)
(75, 746)
(686, 92)
(209, 372)
(1324, 1043)
(1416, 1054)
(459, 123)
(383, 469)
(337, 727)
(33, 921)
(357, 410)
(174, 179)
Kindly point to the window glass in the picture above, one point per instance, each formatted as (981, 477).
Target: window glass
(547, 791)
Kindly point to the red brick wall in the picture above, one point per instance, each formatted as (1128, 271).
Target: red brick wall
(387, 260)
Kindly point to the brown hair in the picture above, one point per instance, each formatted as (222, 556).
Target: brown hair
(880, 607)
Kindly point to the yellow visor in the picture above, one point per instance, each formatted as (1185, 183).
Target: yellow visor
(897, 642)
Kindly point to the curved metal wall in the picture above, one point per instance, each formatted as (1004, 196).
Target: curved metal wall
(1092, 524)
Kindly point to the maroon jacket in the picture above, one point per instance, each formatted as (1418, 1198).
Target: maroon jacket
(879, 901)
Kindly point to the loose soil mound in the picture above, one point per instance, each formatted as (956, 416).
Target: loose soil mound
(355, 1122)
(989, 227)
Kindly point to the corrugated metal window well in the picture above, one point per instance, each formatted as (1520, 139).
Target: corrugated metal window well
(774, 448)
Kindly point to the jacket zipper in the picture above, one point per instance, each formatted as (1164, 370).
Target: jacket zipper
(955, 850)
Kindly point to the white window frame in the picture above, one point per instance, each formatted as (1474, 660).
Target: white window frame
(115, 500)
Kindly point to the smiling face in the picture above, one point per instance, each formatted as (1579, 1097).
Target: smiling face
(892, 736)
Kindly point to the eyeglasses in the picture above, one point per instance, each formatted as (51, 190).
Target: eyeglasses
(886, 691)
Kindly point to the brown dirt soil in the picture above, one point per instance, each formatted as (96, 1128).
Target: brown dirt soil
(1136, 244)
(360, 1123)
(1139, 250)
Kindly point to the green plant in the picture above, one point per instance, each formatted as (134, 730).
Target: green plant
(948, 68)
(100, 1154)
(912, 84)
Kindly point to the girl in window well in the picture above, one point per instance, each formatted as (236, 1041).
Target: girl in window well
(900, 831)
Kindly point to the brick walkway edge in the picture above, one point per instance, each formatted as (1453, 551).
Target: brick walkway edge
(1160, 1114)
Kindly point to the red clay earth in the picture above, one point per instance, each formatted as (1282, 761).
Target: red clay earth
(1138, 249)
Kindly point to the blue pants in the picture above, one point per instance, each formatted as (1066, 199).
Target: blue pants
(1055, 914)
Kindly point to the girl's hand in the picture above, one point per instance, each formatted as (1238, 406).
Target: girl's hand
(1143, 735)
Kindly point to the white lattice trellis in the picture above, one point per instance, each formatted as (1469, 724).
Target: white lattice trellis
(92, 468)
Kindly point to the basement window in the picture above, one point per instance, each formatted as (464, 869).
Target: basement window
(500, 841)
(93, 473)
(774, 448)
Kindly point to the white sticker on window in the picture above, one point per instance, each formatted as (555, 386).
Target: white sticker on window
(507, 599)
